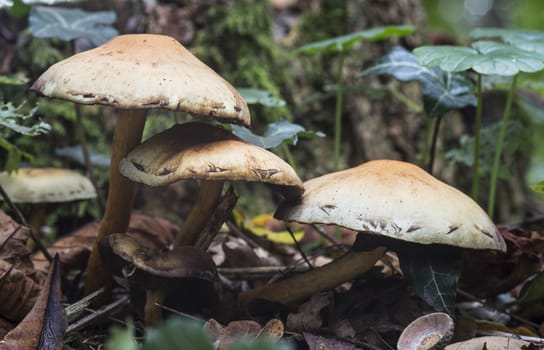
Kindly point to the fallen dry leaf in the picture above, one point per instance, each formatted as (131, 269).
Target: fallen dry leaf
(18, 292)
(317, 342)
(226, 335)
(491, 343)
(308, 317)
(13, 239)
(74, 249)
(43, 327)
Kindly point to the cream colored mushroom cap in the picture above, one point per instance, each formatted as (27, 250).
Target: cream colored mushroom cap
(141, 71)
(398, 200)
(46, 185)
(205, 152)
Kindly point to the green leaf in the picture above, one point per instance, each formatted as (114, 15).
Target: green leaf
(69, 24)
(488, 139)
(275, 134)
(528, 40)
(177, 333)
(539, 187)
(12, 80)
(448, 58)
(434, 278)
(122, 339)
(532, 291)
(485, 57)
(442, 91)
(501, 59)
(11, 118)
(346, 42)
(263, 97)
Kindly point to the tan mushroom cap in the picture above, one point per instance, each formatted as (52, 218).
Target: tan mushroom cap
(205, 152)
(46, 185)
(141, 71)
(395, 199)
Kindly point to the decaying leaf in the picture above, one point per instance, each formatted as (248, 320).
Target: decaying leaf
(491, 343)
(13, 239)
(308, 317)
(18, 292)
(316, 342)
(75, 248)
(43, 327)
(227, 335)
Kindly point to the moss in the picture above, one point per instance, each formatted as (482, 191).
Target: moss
(240, 46)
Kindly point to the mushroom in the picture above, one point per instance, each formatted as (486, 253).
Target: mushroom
(212, 155)
(134, 73)
(383, 197)
(185, 274)
(40, 186)
(429, 332)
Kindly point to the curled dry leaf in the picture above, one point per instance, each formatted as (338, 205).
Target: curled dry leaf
(308, 317)
(226, 335)
(13, 239)
(43, 327)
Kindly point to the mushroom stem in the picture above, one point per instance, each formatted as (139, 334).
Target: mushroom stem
(127, 135)
(297, 287)
(153, 312)
(208, 199)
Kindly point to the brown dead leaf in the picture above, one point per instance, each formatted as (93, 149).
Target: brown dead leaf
(308, 317)
(18, 292)
(43, 327)
(13, 239)
(490, 343)
(226, 335)
(316, 342)
(74, 249)
(487, 273)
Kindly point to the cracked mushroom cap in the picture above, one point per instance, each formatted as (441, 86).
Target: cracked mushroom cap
(205, 152)
(141, 71)
(46, 185)
(398, 200)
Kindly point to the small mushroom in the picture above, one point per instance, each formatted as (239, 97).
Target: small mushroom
(134, 73)
(42, 186)
(210, 154)
(184, 276)
(429, 332)
(384, 197)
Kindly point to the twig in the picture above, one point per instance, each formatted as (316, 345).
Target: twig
(97, 314)
(299, 248)
(264, 272)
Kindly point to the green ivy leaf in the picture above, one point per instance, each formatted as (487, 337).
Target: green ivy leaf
(488, 139)
(539, 187)
(12, 80)
(69, 24)
(528, 40)
(485, 57)
(177, 333)
(263, 97)
(532, 291)
(442, 91)
(434, 278)
(275, 134)
(11, 118)
(346, 42)
(122, 339)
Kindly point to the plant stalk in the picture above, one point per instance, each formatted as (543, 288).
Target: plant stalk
(477, 127)
(498, 148)
(432, 150)
(338, 111)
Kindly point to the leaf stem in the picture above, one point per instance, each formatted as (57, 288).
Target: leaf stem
(477, 127)
(432, 151)
(289, 155)
(338, 110)
(498, 148)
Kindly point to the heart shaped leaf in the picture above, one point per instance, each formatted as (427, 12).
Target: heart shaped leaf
(528, 40)
(69, 24)
(275, 134)
(346, 42)
(485, 57)
(441, 90)
(263, 97)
